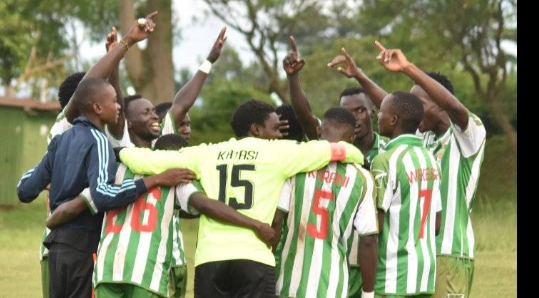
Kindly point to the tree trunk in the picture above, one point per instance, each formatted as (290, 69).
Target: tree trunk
(503, 121)
(151, 70)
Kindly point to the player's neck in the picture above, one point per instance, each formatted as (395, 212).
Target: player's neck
(140, 142)
(366, 143)
(442, 127)
(95, 120)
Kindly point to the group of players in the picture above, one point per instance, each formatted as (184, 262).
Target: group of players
(293, 206)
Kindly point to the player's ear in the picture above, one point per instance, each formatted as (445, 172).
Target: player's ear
(98, 109)
(319, 131)
(255, 130)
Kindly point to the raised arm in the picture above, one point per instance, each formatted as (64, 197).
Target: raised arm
(293, 64)
(117, 130)
(106, 65)
(396, 61)
(186, 97)
(375, 92)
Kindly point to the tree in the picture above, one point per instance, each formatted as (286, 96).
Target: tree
(266, 25)
(470, 32)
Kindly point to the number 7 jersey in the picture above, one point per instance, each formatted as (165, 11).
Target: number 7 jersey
(323, 207)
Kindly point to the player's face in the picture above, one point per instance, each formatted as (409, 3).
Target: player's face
(185, 127)
(386, 118)
(143, 120)
(270, 130)
(432, 110)
(109, 107)
(360, 105)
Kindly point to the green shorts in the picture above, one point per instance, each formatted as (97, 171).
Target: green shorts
(107, 290)
(177, 281)
(454, 277)
(45, 276)
(355, 281)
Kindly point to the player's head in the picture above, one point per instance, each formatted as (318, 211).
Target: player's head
(434, 114)
(170, 142)
(184, 127)
(96, 97)
(68, 87)
(361, 106)
(257, 119)
(338, 125)
(400, 113)
(162, 110)
(295, 132)
(142, 120)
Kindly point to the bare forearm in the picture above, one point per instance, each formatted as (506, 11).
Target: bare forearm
(102, 69)
(439, 94)
(186, 97)
(66, 213)
(302, 108)
(375, 92)
(118, 129)
(222, 212)
(368, 260)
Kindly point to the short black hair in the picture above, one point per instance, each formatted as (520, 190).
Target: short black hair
(443, 80)
(409, 108)
(87, 92)
(295, 132)
(252, 112)
(350, 92)
(163, 108)
(68, 87)
(341, 116)
(170, 142)
(129, 99)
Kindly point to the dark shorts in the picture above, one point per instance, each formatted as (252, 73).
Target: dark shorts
(235, 279)
(70, 272)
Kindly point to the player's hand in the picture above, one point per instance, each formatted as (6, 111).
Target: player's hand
(218, 46)
(351, 70)
(112, 39)
(284, 126)
(138, 33)
(265, 232)
(392, 60)
(175, 177)
(293, 63)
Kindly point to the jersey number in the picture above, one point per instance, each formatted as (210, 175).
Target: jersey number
(321, 210)
(139, 207)
(427, 196)
(236, 182)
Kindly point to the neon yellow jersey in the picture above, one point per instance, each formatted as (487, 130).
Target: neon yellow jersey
(247, 175)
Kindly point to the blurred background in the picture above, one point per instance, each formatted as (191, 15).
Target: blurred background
(474, 42)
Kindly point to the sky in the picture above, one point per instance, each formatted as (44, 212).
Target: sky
(198, 33)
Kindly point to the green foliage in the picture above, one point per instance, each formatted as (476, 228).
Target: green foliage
(211, 117)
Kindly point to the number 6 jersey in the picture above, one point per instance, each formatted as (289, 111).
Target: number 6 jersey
(136, 241)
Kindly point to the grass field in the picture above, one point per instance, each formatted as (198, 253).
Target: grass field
(495, 221)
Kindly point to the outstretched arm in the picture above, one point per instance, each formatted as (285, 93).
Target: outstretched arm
(293, 64)
(186, 97)
(375, 92)
(224, 213)
(104, 67)
(396, 61)
(117, 129)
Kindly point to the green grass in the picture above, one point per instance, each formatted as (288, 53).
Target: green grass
(495, 223)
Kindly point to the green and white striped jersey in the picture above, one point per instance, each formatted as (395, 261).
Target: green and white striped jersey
(460, 154)
(408, 181)
(136, 241)
(379, 145)
(323, 207)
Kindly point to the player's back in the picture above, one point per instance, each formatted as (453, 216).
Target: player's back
(322, 209)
